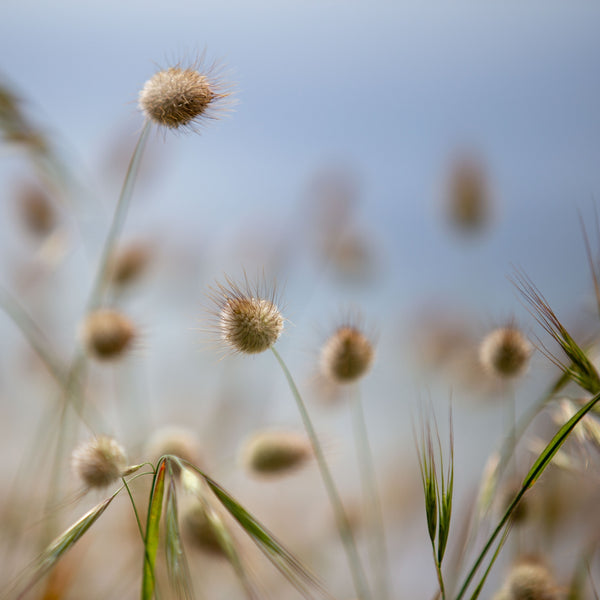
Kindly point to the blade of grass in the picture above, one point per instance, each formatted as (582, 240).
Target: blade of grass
(64, 542)
(282, 559)
(177, 565)
(152, 530)
(536, 470)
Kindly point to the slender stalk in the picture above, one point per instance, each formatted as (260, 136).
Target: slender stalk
(135, 511)
(343, 524)
(440, 577)
(378, 550)
(118, 218)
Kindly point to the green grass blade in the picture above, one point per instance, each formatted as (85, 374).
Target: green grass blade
(177, 566)
(282, 559)
(65, 541)
(152, 530)
(536, 470)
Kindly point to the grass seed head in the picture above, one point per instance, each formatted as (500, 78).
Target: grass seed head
(347, 355)
(177, 441)
(180, 97)
(99, 461)
(248, 319)
(505, 352)
(128, 263)
(275, 452)
(530, 580)
(36, 210)
(107, 334)
(201, 531)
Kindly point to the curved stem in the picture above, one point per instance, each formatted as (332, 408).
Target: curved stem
(343, 524)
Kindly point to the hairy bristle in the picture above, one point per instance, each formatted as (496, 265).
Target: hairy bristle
(347, 355)
(275, 452)
(99, 461)
(505, 352)
(107, 334)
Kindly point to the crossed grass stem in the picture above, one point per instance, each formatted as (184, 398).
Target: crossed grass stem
(343, 524)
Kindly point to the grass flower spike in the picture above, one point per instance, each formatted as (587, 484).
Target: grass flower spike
(99, 461)
(180, 97)
(247, 321)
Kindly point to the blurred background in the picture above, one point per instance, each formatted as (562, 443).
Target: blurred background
(396, 159)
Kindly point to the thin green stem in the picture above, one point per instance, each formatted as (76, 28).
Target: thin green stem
(135, 511)
(440, 577)
(378, 550)
(343, 524)
(118, 220)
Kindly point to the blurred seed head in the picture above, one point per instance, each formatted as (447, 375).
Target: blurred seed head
(468, 197)
(99, 462)
(199, 528)
(179, 97)
(128, 263)
(178, 441)
(275, 452)
(505, 352)
(107, 334)
(36, 210)
(529, 579)
(347, 355)
(248, 319)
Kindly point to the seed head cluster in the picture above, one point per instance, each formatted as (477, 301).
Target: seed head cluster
(99, 461)
(248, 322)
(347, 355)
(505, 352)
(178, 97)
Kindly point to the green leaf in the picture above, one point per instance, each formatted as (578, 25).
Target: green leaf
(282, 559)
(65, 541)
(152, 530)
(177, 566)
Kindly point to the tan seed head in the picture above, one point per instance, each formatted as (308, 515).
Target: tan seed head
(128, 263)
(275, 452)
(531, 580)
(247, 321)
(505, 353)
(347, 355)
(99, 461)
(107, 334)
(201, 531)
(178, 97)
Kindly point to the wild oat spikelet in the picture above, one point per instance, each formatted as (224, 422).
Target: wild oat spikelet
(505, 352)
(275, 452)
(99, 461)
(180, 97)
(248, 322)
(347, 355)
(107, 334)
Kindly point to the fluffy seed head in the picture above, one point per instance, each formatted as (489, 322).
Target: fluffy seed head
(36, 210)
(347, 355)
(179, 97)
(505, 352)
(178, 441)
(247, 321)
(99, 461)
(275, 452)
(530, 580)
(107, 334)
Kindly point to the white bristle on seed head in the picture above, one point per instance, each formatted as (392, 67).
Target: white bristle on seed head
(99, 462)
(248, 319)
(347, 355)
(275, 452)
(505, 352)
(107, 334)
